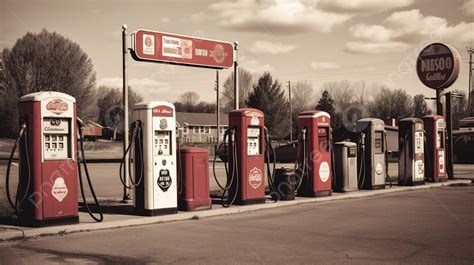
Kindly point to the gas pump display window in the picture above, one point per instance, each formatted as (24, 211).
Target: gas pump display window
(253, 141)
(439, 140)
(56, 138)
(419, 138)
(379, 144)
(162, 142)
(323, 139)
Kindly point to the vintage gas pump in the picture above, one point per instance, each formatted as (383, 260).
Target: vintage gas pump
(411, 168)
(48, 161)
(153, 158)
(372, 142)
(345, 167)
(247, 144)
(314, 154)
(435, 159)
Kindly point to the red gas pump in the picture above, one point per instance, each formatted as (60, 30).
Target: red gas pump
(314, 154)
(48, 161)
(247, 145)
(435, 159)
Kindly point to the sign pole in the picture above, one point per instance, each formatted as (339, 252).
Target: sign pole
(217, 109)
(439, 104)
(126, 195)
(236, 76)
(449, 136)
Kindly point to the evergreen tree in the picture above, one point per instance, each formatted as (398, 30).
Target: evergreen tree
(326, 103)
(268, 96)
(420, 108)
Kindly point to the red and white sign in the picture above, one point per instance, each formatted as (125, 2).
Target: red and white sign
(162, 111)
(57, 106)
(59, 189)
(438, 66)
(255, 177)
(163, 47)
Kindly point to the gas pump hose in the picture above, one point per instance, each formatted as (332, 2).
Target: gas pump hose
(234, 171)
(362, 162)
(387, 176)
(81, 141)
(136, 129)
(18, 203)
(303, 148)
(405, 159)
(270, 173)
(427, 157)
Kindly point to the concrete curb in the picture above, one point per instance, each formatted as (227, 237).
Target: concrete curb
(20, 233)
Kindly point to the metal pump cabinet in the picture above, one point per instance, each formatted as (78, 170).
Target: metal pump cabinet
(345, 158)
(411, 136)
(372, 159)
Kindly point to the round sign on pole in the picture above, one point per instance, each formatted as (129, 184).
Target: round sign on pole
(438, 65)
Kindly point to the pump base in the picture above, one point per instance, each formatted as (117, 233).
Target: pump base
(322, 193)
(438, 180)
(155, 212)
(375, 187)
(50, 222)
(416, 183)
(249, 201)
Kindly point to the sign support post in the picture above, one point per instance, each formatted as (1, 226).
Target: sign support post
(126, 195)
(236, 76)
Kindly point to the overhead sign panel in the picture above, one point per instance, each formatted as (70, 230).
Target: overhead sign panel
(163, 47)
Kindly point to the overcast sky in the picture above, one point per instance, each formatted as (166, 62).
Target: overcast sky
(318, 40)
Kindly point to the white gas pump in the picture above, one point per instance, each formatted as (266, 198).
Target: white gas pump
(153, 148)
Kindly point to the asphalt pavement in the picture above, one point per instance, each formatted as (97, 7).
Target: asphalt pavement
(429, 226)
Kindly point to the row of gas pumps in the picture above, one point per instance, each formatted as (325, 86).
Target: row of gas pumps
(166, 177)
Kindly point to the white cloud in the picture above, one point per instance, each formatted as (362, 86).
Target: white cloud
(275, 16)
(401, 29)
(254, 65)
(135, 83)
(363, 6)
(262, 47)
(468, 7)
(324, 65)
(375, 47)
(370, 32)
(148, 88)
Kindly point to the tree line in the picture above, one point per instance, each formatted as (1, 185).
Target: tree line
(47, 61)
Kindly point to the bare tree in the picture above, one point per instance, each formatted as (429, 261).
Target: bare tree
(391, 104)
(342, 92)
(188, 100)
(245, 86)
(110, 107)
(47, 61)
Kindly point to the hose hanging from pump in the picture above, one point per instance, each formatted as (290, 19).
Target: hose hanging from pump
(301, 147)
(17, 204)
(135, 137)
(427, 157)
(86, 170)
(362, 161)
(270, 173)
(387, 176)
(231, 154)
(405, 158)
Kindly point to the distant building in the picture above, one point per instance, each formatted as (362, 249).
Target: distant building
(200, 127)
(92, 130)
(466, 123)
